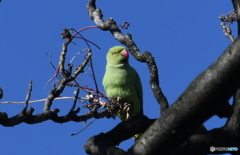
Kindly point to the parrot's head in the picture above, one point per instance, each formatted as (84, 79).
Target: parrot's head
(117, 55)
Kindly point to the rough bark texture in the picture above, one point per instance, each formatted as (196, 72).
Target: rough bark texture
(179, 130)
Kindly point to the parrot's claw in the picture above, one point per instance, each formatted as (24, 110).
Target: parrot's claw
(127, 109)
(127, 117)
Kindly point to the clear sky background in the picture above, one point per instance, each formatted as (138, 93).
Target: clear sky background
(185, 38)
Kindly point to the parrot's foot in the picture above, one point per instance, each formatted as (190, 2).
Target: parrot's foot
(127, 108)
(137, 136)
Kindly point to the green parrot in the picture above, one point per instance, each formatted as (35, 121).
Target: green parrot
(121, 80)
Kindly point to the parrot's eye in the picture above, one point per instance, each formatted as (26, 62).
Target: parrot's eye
(114, 53)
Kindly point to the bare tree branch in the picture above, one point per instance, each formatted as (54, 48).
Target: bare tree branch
(179, 130)
(67, 76)
(104, 143)
(227, 31)
(110, 25)
(227, 136)
(206, 96)
(181, 121)
(201, 100)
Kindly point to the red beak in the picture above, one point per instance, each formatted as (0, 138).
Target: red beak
(125, 53)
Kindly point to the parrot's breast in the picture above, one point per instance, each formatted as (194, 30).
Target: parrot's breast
(124, 82)
(118, 82)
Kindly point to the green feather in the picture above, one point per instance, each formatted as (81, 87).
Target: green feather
(121, 80)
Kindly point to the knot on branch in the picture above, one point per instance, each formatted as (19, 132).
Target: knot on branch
(66, 34)
(94, 112)
(128, 39)
(25, 115)
(111, 24)
(229, 18)
(51, 113)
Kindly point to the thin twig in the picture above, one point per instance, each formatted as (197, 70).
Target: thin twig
(75, 99)
(41, 100)
(78, 54)
(74, 134)
(28, 96)
(227, 31)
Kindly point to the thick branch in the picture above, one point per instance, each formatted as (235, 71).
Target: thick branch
(28, 118)
(199, 102)
(233, 123)
(227, 136)
(210, 92)
(199, 142)
(104, 144)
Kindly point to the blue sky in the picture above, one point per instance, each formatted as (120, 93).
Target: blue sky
(185, 38)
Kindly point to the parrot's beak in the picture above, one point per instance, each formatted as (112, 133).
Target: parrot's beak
(125, 54)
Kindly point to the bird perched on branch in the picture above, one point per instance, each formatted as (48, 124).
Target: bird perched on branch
(121, 80)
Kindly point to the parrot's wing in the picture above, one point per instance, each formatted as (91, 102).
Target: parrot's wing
(138, 86)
